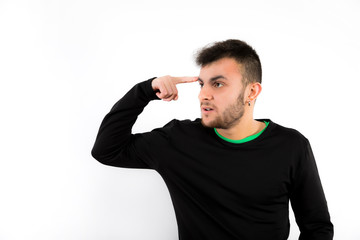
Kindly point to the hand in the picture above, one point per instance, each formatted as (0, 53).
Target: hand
(165, 86)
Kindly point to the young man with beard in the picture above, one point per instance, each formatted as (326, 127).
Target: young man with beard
(229, 176)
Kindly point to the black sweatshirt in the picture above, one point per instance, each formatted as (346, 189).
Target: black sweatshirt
(221, 190)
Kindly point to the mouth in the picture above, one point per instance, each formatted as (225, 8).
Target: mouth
(206, 108)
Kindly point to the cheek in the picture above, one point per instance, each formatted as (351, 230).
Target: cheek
(227, 100)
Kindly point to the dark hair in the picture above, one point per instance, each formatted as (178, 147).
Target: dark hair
(236, 49)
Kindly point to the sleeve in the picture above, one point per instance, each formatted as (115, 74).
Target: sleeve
(308, 199)
(115, 145)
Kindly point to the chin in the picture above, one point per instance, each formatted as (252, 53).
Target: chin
(220, 123)
(210, 124)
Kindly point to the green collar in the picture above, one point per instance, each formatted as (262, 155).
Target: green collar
(247, 139)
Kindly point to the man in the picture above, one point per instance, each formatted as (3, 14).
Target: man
(229, 176)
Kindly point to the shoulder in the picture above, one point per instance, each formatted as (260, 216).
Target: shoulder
(175, 123)
(292, 144)
(289, 135)
(182, 128)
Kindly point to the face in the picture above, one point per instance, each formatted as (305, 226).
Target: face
(222, 94)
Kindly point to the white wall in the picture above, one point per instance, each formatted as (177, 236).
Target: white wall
(63, 64)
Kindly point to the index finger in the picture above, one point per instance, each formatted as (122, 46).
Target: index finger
(185, 79)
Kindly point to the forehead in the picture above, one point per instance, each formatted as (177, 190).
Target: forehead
(227, 67)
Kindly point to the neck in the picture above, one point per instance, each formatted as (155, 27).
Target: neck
(244, 128)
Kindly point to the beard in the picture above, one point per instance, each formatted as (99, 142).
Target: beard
(230, 116)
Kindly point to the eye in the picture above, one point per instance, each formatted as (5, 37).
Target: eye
(218, 85)
(201, 84)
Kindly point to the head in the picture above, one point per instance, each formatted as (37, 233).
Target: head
(230, 78)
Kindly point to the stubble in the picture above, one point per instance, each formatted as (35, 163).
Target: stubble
(230, 116)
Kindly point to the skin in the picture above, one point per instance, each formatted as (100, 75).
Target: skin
(223, 98)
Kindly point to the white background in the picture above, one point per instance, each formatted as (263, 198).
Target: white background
(63, 64)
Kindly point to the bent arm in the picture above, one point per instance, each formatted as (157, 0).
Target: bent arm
(114, 144)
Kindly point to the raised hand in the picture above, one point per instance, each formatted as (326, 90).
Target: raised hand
(165, 86)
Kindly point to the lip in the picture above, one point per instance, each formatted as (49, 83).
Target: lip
(203, 110)
(207, 105)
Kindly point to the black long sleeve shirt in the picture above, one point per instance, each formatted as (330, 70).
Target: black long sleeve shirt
(221, 190)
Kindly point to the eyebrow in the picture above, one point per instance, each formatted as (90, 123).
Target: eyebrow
(214, 78)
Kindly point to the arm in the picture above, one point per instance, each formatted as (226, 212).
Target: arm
(115, 145)
(308, 200)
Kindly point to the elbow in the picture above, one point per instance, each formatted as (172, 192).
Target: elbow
(108, 159)
(94, 154)
(100, 157)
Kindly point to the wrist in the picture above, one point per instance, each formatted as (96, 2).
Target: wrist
(150, 92)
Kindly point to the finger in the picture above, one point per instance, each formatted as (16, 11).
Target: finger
(169, 89)
(172, 89)
(158, 94)
(167, 99)
(184, 79)
(163, 92)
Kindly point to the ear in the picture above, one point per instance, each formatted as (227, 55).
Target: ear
(254, 90)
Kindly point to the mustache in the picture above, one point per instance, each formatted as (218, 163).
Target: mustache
(207, 104)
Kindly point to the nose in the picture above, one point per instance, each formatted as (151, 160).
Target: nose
(205, 93)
